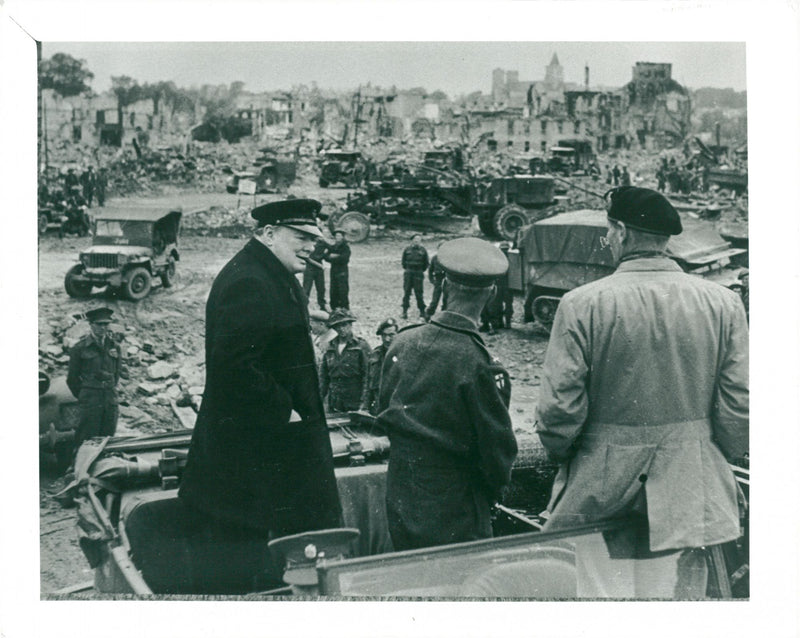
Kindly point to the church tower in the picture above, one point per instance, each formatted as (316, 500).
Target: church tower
(554, 75)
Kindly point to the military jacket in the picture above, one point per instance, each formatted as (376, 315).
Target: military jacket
(645, 388)
(346, 372)
(94, 365)
(415, 258)
(443, 393)
(339, 256)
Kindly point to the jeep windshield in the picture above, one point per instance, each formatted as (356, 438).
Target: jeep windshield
(123, 232)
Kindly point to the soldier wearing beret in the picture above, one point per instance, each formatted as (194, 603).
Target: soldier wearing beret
(95, 367)
(260, 461)
(343, 373)
(386, 331)
(444, 404)
(644, 398)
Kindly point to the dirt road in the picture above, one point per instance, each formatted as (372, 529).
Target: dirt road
(172, 322)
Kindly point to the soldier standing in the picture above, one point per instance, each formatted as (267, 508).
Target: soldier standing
(500, 308)
(343, 374)
(444, 404)
(87, 184)
(415, 263)
(314, 274)
(339, 256)
(386, 331)
(101, 183)
(436, 277)
(95, 366)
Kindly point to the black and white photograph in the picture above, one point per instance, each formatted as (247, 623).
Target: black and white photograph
(418, 331)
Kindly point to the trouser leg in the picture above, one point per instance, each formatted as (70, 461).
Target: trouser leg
(436, 295)
(418, 294)
(407, 285)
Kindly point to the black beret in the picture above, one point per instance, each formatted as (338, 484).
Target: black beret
(300, 214)
(643, 209)
(472, 262)
(99, 314)
(386, 324)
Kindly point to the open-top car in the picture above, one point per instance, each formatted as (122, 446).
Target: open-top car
(130, 248)
(141, 539)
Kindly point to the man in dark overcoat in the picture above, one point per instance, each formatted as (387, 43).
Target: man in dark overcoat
(444, 404)
(260, 457)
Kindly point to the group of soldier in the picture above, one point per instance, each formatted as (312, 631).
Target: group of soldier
(644, 396)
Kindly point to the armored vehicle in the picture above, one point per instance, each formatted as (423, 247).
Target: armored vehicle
(140, 540)
(130, 247)
(565, 251)
(342, 167)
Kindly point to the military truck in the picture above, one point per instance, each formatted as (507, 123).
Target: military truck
(140, 540)
(502, 205)
(342, 167)
(562, 252)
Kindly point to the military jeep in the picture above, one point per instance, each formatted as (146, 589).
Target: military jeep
(345, 167)
(130, 247)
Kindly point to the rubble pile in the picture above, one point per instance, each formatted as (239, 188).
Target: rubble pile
(164, 372)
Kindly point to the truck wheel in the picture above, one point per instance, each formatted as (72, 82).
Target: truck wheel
(42, 224)
(323, 182)
(138, 284)
(168, 274)
(544, 309)
(74, 286)
(355, 226)
(508, 220)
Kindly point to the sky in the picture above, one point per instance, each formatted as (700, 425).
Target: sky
(454, 67)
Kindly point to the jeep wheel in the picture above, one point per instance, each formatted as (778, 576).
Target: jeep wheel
(508, 220)
(42, 224)
(355, 226)
(138, 284)
(323, 183)
(168, 274)
(74, 286)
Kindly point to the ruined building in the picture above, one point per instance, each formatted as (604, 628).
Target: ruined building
(651, 111)
(658, 108)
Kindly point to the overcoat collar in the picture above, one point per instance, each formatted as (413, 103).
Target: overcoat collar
(455, 321)
(273, 265)
(661, 262)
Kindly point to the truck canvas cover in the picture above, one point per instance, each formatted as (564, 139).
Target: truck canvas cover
(565, 249)
(566, 252)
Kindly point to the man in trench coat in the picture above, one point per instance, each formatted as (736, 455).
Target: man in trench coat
(260, 458)
(644, 394)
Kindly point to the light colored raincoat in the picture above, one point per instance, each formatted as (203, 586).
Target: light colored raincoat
(645, 387)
